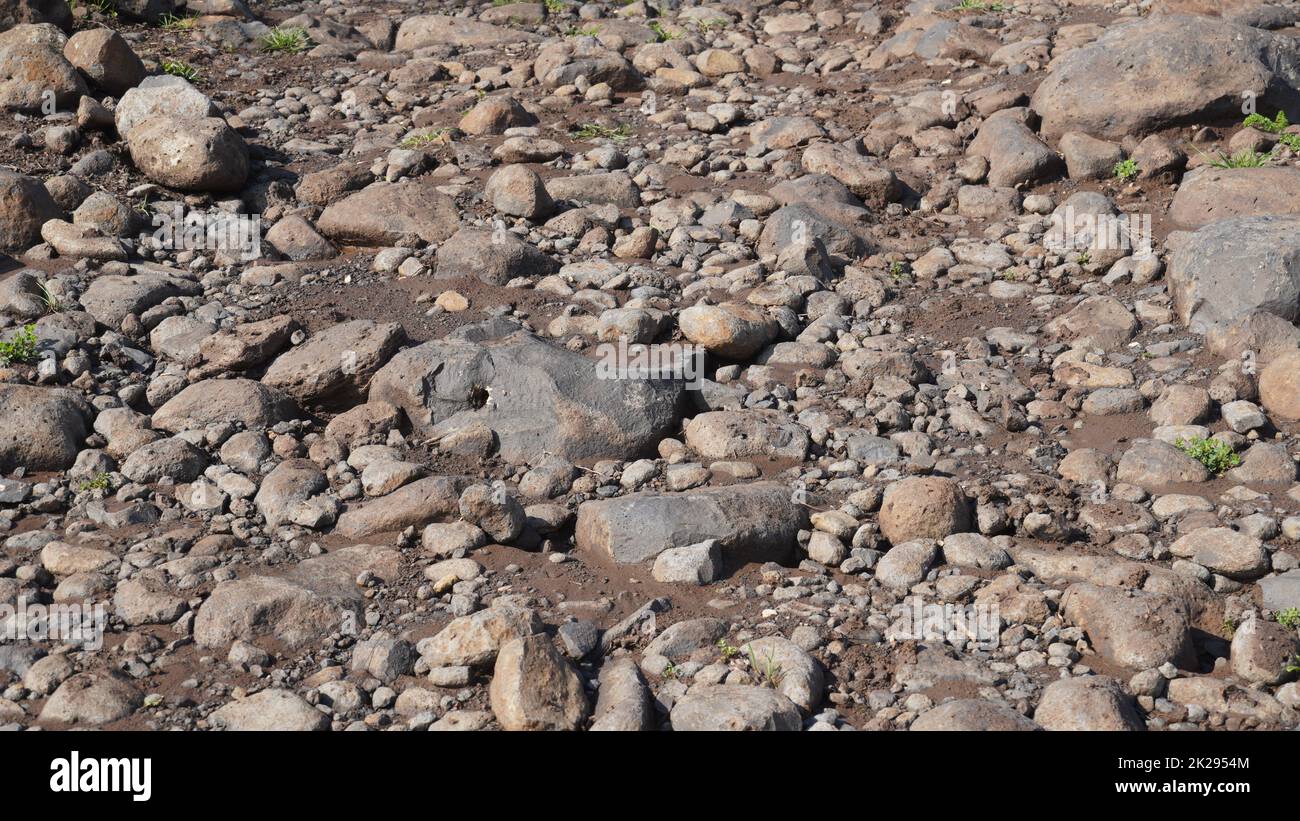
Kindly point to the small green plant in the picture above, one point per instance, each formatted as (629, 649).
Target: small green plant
(286, 41)
(1126, 170)
(175, 22)
(1294, 666)
(21, 348)
(100, 482)
(671, 671)
(183, 70)
(708, 26)
(582, 31)
(1216, 454)
(595, 131)
(555, 6)
(727, 649)
(663, 34)
(897, 271)
(1083, 258)
(1289, 618)
(768, 671)
(1229, 625)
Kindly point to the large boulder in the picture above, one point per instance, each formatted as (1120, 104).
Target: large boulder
(274, 710)
(751, 523)
(930, 507)
(111, 297)
(105, 59)
(539, 398)
(535, 688)
(734, 707)
(1234, 267)
(494, 257)
(32, 75)
(1279, 386)
(190, 154)
(1016, 156)
(437, 30)
(1131, 628)
(41, 428)
(1162, 72)
(1096, 703)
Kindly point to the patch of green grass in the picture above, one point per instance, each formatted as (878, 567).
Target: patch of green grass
(1126, 170)
(555, 6)
(1289, 618)
(286, 41)
(1216, 454)
(175, 22)
(178, 69)
(727, 649)
(979, 5)
(768, 671)
(663, 34)
(582, 31)
(423, 139)
(596, 131)
(48, 297)
(1246, 158)
(20, 349)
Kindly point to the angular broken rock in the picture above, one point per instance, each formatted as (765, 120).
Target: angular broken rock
(539, 398)
(405, 214)
(306, 603)
(1131, 628)
(475, 640)
(413, 505)
(334, 367)
(756, 522)
(535, 688)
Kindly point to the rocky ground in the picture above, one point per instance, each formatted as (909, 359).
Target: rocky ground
(367, 465)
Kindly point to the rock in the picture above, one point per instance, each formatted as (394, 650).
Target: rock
(746, 435)
(475, 640)
(1096, 322)
(90, 698)
(1279, 386)
(190, 154)
(624, 701)
(110, 298)
(213, 401)
(906, 564)
(534, 688)
(752, 522)
(1130, 628)
(1016, 156)
(289, 483)
(303, 605)
(923, 508)
(1088, 158)
(334, 367)
(405, 214)
(275, 710)
(25, 205)
(1149, 463)
(974, 550)
(865, 176)
(146, 600)
(1210, 194)
(518, 191)
(436, 29)
(497, 512)
(729, 330)
(538, 398)
(1151, 74)
(493, 257)
(1235, 555)
(172, 458)
(162, 96)
(796, 675)
(31, 74)
(81, 242)
(1236, 266)
(1262, 651)
(694, 564)
(1092, 703)
(105, 59)
(41, 428)
(1265, 464)
(614, 188)
(972, 715)
(494, 114)
(734, 707)
(413, 505)
(54, 12)
(297, 239)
